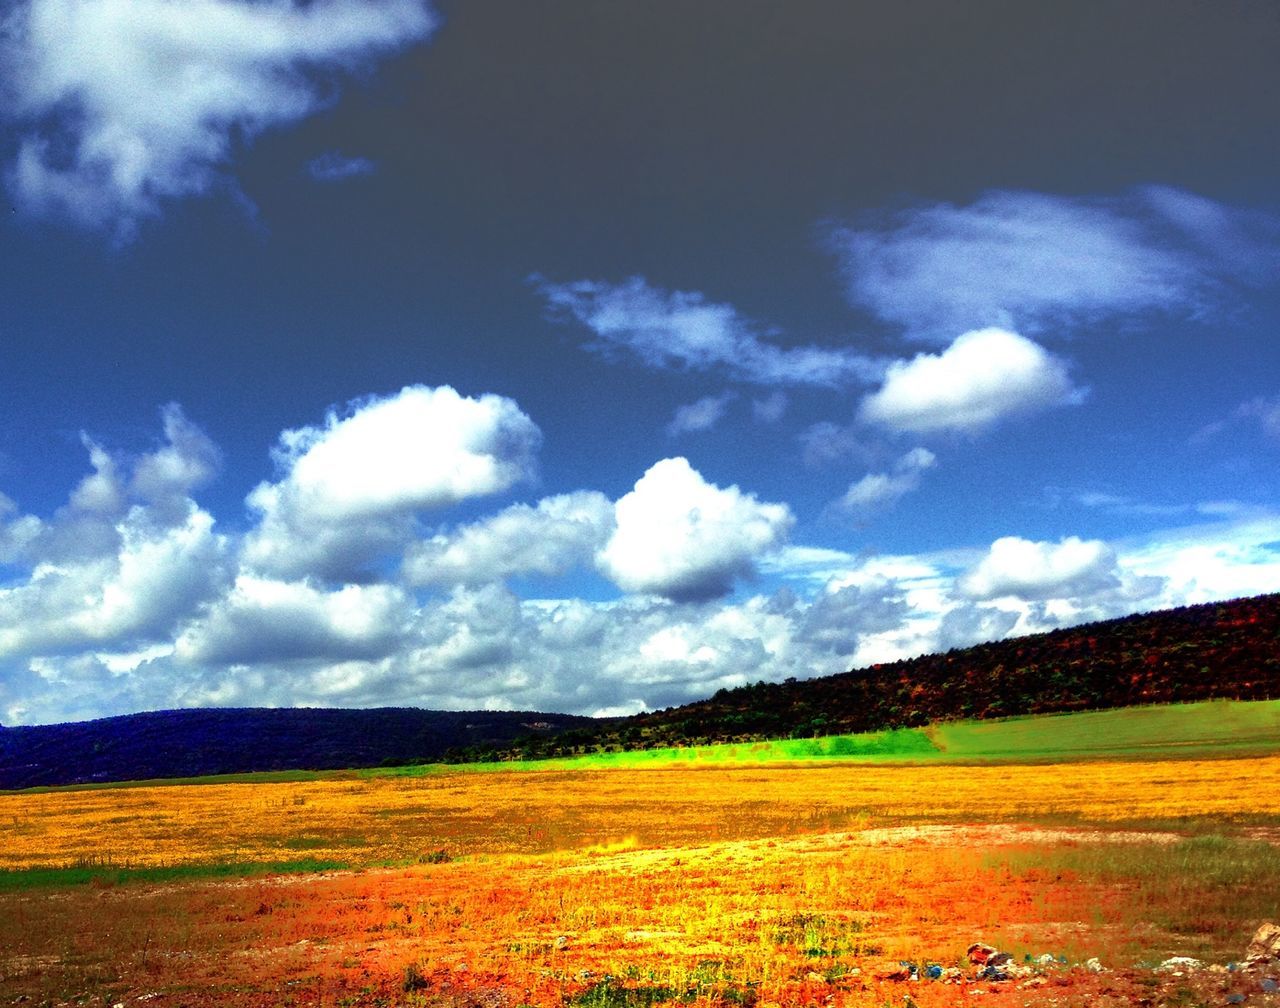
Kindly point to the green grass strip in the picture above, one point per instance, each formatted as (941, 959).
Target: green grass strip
(21, 879)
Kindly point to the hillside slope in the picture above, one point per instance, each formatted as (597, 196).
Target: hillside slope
(192, 743)
(1221, 650)
(1227, 650)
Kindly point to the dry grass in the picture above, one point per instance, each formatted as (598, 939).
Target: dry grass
(400, 819)
(736, 886)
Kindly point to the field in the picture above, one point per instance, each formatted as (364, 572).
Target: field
(816, 872)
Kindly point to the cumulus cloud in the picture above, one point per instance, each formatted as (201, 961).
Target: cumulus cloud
(1235, 556)
(682, 329)
(129, 598)
(1030, 260)
(879, 490)
(262, 621)
(840, 617)
(123, 104)
(352, 487)
(683, 538)
(124, 561)
(151, 490)
(165, 478)
(701, 415)
(1040, 570)
(17, 531)
(550, 538)
(982, 377)
(140, 593)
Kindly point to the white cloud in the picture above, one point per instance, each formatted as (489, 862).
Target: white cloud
(841, 617)
(123, 104)
(1229, 558)
(878, 490)
(17, 531)
(165, 478)
(683, 538)
(551, 538)
(699, 416)
(352, 487)
(335, 167)
(684, 330)
(1072, 568)
(128, 598)
(141, 593)
(261, 621)
(982, 377)
(1030, 260)
(125, 561)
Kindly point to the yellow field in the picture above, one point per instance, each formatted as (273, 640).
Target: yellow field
(381, 819)
(780, 885)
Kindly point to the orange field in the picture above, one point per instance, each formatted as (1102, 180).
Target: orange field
(620, 889)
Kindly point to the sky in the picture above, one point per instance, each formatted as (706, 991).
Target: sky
(592, 357)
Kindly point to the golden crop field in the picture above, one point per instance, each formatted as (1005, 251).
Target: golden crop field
(379, 819)
(756, 886)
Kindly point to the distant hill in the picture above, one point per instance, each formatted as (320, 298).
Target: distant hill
(1221, 650)
(192, 743)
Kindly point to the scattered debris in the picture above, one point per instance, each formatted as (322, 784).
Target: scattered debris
(979, 953)
(992, 964)
(1094, 966)
(1177, 965)
(561, 943)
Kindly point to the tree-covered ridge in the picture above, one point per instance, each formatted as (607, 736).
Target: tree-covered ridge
(1220, 650)
(211, 741)
(1223, 650)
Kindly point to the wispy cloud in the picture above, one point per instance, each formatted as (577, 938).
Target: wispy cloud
(771, 408)
(335, 167)
(701, 415)
(879, 490)
(123, 104)
(1033, 261)
(682, 329)
(1266, 411)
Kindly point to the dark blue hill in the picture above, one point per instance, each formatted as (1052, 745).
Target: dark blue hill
(193, 743)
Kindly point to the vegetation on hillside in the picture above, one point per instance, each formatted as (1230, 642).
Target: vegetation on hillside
(1220, 650)
(1226, 650)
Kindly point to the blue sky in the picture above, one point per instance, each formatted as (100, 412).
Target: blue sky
(592, 357)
